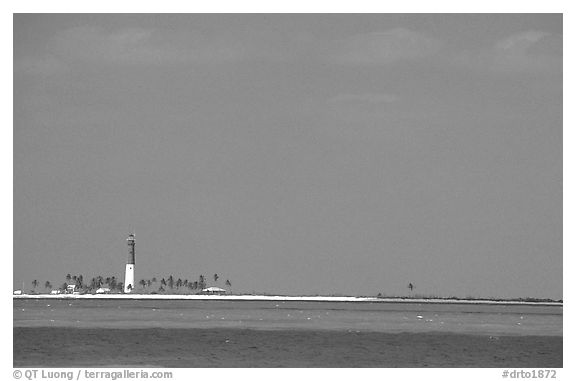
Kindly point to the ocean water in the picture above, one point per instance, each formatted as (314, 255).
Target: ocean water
(290, 315)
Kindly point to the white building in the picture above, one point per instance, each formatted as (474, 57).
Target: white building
(214, 290)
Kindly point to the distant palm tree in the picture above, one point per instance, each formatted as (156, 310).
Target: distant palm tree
(163, 282)
(48, 285)
(142, 283)
(216, 277)
(228, 284)
(154, 280)
(68, 278)
(179, 283)
(34, 284)
(148, 283)
(195, 285)
(171, 282)
(202, 282)
(410, 286)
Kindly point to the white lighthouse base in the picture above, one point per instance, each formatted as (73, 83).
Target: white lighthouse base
(129, 278)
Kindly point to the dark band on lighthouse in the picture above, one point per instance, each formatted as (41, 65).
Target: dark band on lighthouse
(132, 251)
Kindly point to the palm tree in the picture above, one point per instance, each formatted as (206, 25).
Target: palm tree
(216, 278)
(68, 278)
(163, 282)
(34, 284)
(154, 280)
(142, 283)
(410, 286)
(148, 283)
(171, 282)
(179, 283)
(48, 285)
(113, 283)
(202, 282)
(228, 284)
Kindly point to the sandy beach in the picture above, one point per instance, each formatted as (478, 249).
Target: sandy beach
(282, 298)
(70, 347)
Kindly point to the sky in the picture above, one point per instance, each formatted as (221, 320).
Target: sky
(292, 153)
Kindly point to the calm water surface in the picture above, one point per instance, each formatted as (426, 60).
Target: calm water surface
(379, 317)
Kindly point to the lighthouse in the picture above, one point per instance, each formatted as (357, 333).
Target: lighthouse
(129, 278)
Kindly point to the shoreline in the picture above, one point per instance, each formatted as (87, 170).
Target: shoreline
(280, 298)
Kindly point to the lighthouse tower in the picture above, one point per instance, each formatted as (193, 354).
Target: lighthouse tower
(129, 278)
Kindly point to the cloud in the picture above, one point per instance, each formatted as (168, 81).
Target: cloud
(141, 46)
(519, 43)
(382, 48)
(95, 44)
(38, 66)
(525, 52)
(363, 98)
(364, 111)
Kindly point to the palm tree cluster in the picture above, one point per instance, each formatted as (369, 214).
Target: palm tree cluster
(170, 284)
(95, 283)
(167, 284)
